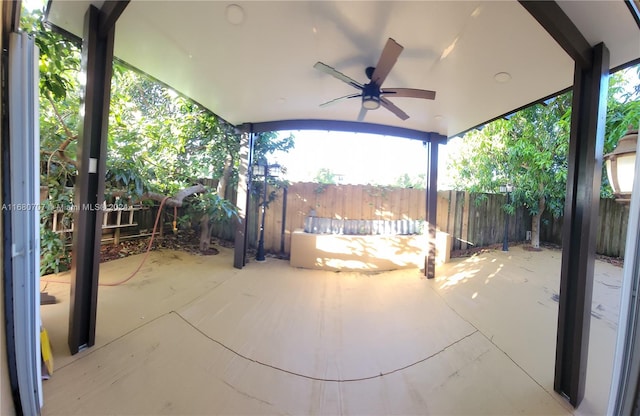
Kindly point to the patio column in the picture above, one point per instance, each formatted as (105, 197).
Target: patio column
(432, 206)
(580, 223)
(96, 64)
(247, 139)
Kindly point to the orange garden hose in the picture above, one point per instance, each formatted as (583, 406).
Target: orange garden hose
(155, 226)
(175, 219)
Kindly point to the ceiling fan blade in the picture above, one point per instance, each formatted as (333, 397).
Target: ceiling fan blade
(387, 60)
(409, 92)
(335, 100)
(363, 112)
(337, 74)
(392, 107)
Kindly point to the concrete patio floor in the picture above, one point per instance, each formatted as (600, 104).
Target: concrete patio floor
(192, 335)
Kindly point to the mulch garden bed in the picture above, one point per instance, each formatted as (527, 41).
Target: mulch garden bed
(188, 241)
(616, 261)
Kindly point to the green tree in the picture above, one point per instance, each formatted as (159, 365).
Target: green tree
(326, 176)
(530, 150)
(159, 142)
(406, 181)
(59, 99)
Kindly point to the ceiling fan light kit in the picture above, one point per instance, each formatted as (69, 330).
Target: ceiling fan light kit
(372, 95)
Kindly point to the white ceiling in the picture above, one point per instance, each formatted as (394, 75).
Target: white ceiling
(262, 69)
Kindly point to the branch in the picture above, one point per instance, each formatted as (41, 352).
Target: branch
(63, 156)
(70, 135)
(175, 201)
(60, 151)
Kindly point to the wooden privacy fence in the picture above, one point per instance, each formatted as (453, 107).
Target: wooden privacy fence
(612, 228)
(474, 220)
(354, 202)
(458, 214)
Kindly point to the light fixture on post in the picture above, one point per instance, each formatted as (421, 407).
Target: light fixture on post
(506, 189)
(268, 171)
(620, 166)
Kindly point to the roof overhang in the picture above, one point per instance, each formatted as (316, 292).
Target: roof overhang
(252, 62)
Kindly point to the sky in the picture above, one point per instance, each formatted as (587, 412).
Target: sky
(360, 158)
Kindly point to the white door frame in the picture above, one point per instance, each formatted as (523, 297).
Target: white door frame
(24, 141)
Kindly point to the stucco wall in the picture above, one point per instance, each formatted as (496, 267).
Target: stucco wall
(364, 252)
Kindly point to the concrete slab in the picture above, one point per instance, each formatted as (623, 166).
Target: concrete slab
(192, 335)
(512, 298)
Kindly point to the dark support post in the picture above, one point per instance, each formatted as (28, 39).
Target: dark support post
(432, 206)
(97, 59)
(283, 231)
(505, 240)
(242, 199)
(580, 223)
(263, 209)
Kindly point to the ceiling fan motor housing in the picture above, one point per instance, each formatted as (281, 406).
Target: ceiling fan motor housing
(371, 96)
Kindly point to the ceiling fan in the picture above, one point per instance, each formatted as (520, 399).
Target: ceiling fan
(372, 93)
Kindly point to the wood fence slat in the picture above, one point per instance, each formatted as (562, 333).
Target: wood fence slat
(478, 224)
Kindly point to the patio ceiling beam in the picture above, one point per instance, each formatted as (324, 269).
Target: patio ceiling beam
(347, 126)
(110, 12)
(554, 20)
(634, 8)
(586, 144)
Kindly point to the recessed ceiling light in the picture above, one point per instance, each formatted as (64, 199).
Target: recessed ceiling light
(234, 14)
(502, 77)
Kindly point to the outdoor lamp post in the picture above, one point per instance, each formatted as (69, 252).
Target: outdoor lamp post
(620, 166)
(267, 171)
(507, 189)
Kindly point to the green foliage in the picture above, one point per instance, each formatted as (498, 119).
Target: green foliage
(265, 145)
(59, 57)
(623, 110)
(54, 256)
(158, 141)
(217, 208)
(406, 181)
(530, 150)
(326, 176)
(270, 142)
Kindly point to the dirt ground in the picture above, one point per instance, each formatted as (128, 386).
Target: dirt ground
(187, 241)
(616, 261)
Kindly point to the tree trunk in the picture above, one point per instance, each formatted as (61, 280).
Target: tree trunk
(535, 231)
(175, 201)
(205, 233)
(224, 180)
(535, 220)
